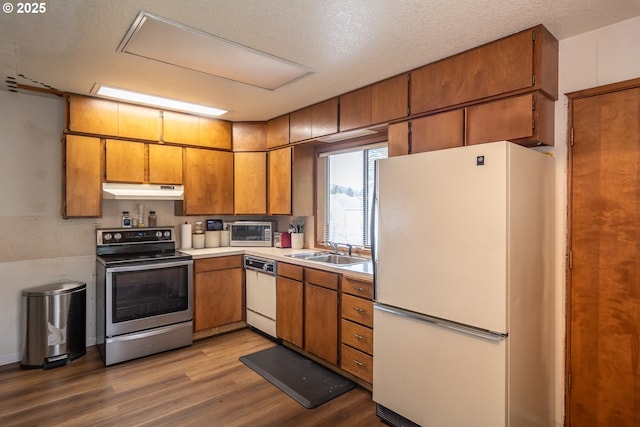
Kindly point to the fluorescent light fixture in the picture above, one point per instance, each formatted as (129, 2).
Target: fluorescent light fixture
(343, 136)
(156, 101)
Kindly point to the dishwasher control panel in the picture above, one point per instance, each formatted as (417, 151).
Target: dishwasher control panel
(263, 265)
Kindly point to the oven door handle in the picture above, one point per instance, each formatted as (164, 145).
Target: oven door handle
(153, 266)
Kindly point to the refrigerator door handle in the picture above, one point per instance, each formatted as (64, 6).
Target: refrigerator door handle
(441, 323)
(374, 227)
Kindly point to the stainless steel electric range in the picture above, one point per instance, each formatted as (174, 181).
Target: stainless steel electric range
(143, 293)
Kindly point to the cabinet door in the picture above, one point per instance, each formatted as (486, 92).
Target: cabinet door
(249, 136)
(82, 177)
(300, 125)
(218, 298)
(289, 308)
(321, 322)
(250, 183)
(180, 128)
(355, 109)
(125, 161)
(444, 130)
(498, 67)
(506, 119)
(390, 99)
(165, 164)
(278, 131)
(214, 133)
(138, 122)
(398, 139)
(324, 118)
(208, 182)
(93, 115)
(280, 181)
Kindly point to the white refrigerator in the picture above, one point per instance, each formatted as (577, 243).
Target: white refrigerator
(463, 312)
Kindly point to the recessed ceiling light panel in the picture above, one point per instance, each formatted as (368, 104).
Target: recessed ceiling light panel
(172, 43)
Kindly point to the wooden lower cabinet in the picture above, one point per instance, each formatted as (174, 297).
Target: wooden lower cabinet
(356, 328)
(321, 314)
(82, 177)
(219, 295)
(289, 304)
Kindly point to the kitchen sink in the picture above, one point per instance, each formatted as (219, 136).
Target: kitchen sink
(329, 258)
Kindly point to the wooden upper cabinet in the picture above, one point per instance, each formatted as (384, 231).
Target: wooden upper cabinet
(526, 119)
(525, 61)
(82, 161)
(208, 187)
(398, 139)
(187, 129)
(138, 122)
(280, 181)
(315, 121)
(165, 164)
(390, 99)
(355, 109)
(250, 183)
(125, 161)
(180, 128)
(92, 115)
(249, 136)
(438, 131)
(278, 131)
(215, 133)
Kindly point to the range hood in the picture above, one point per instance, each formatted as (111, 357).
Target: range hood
(141, 191)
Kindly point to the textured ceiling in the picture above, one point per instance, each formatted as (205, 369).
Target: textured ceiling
(348, 43)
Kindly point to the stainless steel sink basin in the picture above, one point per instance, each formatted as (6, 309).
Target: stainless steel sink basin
(337, 259)
(329, 258)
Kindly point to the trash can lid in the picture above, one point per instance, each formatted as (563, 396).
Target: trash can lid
(54, 289)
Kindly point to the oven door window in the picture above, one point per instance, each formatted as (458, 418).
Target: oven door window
(146, 293)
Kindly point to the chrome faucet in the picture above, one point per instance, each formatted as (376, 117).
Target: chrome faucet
(334, 246)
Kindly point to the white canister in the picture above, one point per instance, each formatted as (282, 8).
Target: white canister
(212, 239)
(198, 241)
(297, 240)
(225, 238)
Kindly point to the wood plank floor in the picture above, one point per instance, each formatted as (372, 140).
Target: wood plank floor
(201, 385)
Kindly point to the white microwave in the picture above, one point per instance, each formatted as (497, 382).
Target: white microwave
(251, 233)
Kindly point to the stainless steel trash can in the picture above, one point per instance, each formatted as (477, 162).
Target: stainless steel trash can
(54, 324)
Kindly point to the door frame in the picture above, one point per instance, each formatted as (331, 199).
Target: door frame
(573, 96)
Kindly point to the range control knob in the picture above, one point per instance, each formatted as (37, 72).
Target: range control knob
(158, 234)
(167, 234)
(107, 236)
(117, 236)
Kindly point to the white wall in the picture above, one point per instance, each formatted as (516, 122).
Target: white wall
(592, 59)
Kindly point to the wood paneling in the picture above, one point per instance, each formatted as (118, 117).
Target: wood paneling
(204, 384)
(604, 298)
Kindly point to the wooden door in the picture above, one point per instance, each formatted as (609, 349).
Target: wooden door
(321, 322)
(125, 161)
(135, 121)
(93, 115)
(390, 99)
(82, 177)
(250, 183)
(218, 298)
(280, 181)
(355, 109)
(278, 131)
(289, 310)
(439, 131)
(603, 319)
(165, 164)
(208, 187)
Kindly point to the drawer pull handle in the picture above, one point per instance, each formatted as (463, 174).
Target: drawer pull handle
(359, 337)
(359, 289)
(359, 309)
(357, 362)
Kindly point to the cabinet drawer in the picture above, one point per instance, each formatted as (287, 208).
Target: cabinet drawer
(291, 271)
(321, 278)
(357, 287)
(357, 309)
(218, 263)
(357, 336)
(357, 362)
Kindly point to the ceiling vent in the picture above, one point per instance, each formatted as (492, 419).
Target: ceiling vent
(172, 43)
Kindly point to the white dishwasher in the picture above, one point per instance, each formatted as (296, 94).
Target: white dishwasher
(261, 293)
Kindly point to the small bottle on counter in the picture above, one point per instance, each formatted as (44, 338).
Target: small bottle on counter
(126, 220)
(153, 219)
